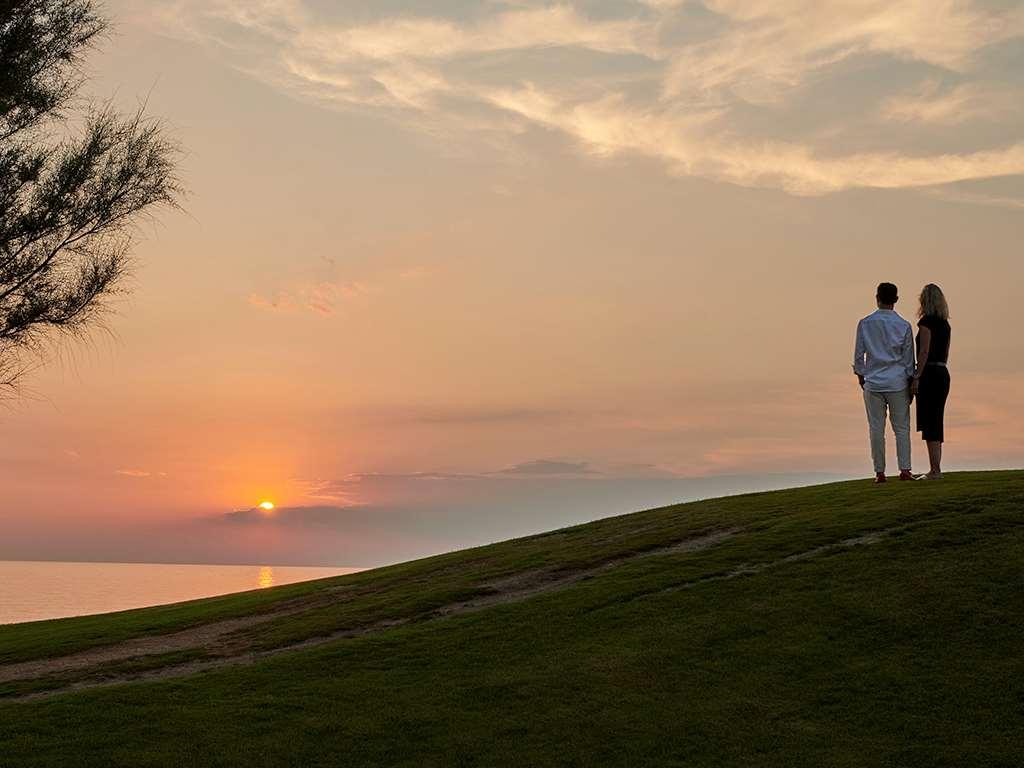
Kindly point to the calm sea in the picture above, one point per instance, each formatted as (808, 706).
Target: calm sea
(41, 590)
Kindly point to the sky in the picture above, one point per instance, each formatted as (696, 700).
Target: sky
(450, 272)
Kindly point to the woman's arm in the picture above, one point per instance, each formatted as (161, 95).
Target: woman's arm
(922, 357)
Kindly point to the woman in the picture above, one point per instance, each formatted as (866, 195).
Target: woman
(931, 378)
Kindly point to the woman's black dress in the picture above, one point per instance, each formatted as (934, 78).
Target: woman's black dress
(933, 389)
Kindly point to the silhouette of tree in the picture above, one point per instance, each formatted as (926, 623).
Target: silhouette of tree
(70, 200)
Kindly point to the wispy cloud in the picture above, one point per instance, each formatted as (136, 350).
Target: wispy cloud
(956, 195)
(548, 468)
(476, 415)
(694, 85)
(766, 49)
(322, 298)
(138, 473)
(612, 127)
(931, 103)
(326, 289)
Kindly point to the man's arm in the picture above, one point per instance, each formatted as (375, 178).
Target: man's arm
(859, 352)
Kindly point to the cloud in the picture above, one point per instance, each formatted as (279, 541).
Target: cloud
(662, 5)
(766, 49)
(611, 127)
(507, 30)
(479, 415)
(545, 467)
(289, 516)
(328, 293)
(931, 103)
(466, 415)
(322, 298)
(133, 473)
(700, 100)
(956, 195)
(415, 273)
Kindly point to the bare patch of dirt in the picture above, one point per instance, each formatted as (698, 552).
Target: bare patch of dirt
(868, 538)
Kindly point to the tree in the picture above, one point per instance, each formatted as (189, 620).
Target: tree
(70, 201)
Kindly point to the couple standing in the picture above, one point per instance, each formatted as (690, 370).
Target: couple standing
(883, 360)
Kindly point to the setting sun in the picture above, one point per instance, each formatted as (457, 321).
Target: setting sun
(267, 505)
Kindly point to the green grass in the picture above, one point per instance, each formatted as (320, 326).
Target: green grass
(905, 652)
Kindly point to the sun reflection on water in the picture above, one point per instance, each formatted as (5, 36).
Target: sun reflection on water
(266, 577)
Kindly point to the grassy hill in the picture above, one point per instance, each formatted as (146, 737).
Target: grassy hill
(840, 625)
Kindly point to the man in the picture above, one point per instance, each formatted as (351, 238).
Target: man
(883, 360)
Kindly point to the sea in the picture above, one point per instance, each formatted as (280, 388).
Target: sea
(34, 590)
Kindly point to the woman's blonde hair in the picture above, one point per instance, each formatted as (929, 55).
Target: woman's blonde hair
(933, 302)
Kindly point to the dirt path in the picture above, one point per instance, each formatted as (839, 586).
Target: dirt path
(750, 569)
(212, 637)
(203, 635)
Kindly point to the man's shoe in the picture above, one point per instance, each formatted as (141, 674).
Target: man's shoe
(906, 474)
(880, 478)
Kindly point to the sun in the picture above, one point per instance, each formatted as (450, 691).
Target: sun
(266, 505)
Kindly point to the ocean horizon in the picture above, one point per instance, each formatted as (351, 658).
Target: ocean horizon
(35, 590)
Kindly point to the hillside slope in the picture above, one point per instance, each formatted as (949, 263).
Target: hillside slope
(840, 625)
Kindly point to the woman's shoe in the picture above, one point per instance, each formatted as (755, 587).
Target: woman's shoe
(906, 474)
(931, 476)
(880, 478)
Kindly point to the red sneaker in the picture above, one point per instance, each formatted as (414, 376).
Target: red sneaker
(880, 478)
(906, 474)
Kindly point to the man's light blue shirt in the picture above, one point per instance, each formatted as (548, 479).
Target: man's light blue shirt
(884, 352)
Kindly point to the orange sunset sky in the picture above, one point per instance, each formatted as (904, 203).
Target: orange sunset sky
(454, 271)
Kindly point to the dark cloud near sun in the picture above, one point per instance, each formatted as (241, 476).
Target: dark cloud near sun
(415, 515)
(546, 467)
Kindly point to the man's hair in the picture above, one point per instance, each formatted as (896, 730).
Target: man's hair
(887, 293)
